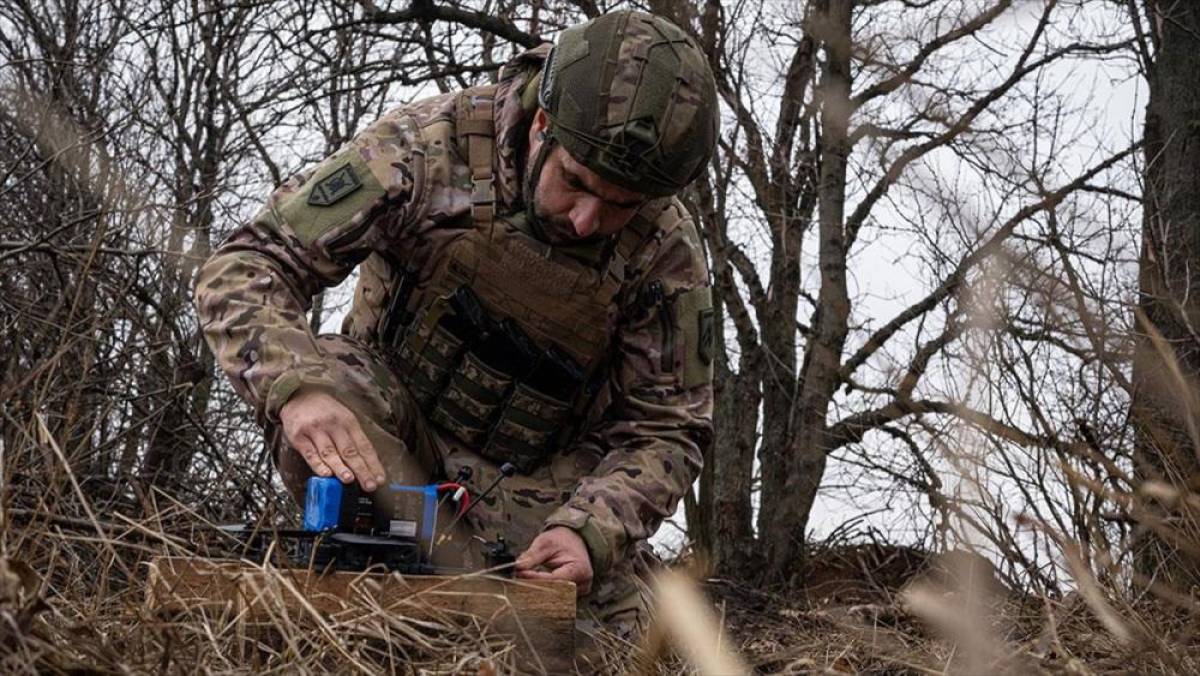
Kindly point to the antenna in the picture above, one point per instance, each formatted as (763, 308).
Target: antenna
(506, 470)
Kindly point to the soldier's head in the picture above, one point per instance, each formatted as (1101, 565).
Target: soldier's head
(627, 113)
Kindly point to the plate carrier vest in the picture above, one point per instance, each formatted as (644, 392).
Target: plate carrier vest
(507, 343)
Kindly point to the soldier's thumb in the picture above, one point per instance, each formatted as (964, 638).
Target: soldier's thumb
(537, 554)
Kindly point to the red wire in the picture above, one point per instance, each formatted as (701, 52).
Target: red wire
(463, 504)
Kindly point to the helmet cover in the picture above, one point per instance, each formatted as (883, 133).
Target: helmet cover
(631, 97)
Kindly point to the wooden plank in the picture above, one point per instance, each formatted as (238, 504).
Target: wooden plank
(539, 616)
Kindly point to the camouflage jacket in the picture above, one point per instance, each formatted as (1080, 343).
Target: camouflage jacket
(644, 449)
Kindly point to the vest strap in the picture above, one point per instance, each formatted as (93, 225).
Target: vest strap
(476, 135)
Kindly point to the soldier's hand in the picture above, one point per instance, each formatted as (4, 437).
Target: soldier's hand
(564, 555)
(327, 435)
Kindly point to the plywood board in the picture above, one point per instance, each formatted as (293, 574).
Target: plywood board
(539, 616)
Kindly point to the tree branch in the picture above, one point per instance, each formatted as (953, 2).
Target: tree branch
(427, 10)
(852, 429)
(927, 50)
(955, 278)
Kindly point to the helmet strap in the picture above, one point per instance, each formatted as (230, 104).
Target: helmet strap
(529, 188)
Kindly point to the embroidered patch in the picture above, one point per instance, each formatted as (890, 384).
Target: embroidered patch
(334, 187)
(695, 319)
(707, 339)
(339, 190)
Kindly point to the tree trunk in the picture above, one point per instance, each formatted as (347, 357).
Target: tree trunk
(1164, 409)
(725, 483)
(790, 485)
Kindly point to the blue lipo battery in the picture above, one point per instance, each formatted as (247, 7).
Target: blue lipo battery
(322, 503)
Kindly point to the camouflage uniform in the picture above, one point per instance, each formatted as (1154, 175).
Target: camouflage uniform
(647, 426)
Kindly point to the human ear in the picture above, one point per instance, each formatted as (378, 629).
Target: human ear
(537, 128)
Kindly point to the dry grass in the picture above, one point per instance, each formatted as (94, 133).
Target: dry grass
(96, 380)
(933, 623)
(72, 598)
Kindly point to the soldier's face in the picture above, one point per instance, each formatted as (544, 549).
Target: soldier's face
(572, 201)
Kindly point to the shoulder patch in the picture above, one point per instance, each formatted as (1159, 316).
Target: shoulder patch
(707, 340)
(694, 315)
(341, 188)
(331, 189)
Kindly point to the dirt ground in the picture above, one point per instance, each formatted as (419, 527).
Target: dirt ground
(895, 610)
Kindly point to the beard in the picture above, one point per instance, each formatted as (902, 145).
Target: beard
(554, 230)
(557, 230)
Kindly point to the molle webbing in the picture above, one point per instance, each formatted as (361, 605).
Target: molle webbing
(476, 131)
(486, 382)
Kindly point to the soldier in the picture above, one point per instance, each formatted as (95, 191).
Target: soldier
(529, 291)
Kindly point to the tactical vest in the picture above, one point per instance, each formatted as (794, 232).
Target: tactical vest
(505, 345)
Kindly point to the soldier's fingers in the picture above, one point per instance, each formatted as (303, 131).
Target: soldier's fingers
(583, 584)
(538, 553)
(352, 455)
(368, 453)
(580, 575)
(308, 451)
(329, 453)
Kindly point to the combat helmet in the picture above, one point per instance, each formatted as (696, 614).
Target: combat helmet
(632, 98)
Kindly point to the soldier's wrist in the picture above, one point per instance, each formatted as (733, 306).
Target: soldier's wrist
(585, 526)
(287, 386)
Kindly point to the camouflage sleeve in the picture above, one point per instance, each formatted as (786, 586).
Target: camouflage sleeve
(252, 294)
(655, 432)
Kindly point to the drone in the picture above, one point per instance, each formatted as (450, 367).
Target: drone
(394, 528)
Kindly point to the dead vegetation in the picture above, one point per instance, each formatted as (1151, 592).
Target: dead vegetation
(993, 405)
(926, 622)
(73, 599)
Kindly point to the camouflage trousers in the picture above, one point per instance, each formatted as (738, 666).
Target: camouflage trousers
(415, 451)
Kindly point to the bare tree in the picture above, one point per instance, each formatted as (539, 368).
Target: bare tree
(860, 111)
(67, 211)
(199, 59)
(1168, 352)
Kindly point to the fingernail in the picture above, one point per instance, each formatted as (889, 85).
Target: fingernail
(370, 486)
(347, 476)
(380, 479)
